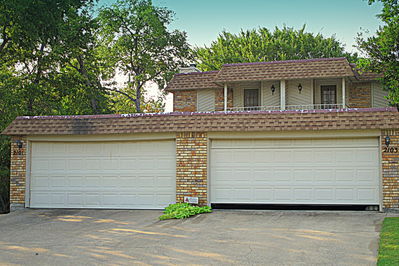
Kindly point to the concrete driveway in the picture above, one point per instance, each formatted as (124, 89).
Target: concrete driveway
(75, 237)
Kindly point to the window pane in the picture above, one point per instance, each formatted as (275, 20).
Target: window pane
(251, 97)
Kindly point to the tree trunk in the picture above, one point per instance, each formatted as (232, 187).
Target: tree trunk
(138, 99)
(36, 81)
(92, 96)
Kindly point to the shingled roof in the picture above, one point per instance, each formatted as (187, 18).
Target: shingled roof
(366, 118)
(362, 75)
(290, 69)
(275, 70)
(195, 80)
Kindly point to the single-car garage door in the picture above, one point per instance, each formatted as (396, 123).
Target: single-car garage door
(301, 171)
(130, 175)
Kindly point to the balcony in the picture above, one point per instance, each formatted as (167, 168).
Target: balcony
(276, 95)
(287, 107)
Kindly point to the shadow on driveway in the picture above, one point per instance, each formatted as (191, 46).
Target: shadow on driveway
(224, 237)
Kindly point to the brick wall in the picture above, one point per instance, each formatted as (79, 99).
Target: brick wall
(185, 101)
(219, 99)
(17, 172)
(360, 95)
(191, 166)
(390, 170)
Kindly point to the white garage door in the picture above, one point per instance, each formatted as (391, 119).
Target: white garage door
(120, 175)
(314, 171)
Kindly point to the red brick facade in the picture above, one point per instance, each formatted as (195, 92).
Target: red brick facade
(185, 101)
(18, 171)
(390, 169)
(360, 95)
(219, 99)
(191, 166)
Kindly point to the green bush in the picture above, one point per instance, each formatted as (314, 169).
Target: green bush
(183, 210)
(4, 191)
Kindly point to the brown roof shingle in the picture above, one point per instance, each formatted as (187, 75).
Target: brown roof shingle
(290, 69)
(362, 75)
(275, 70)
(367, 118)
(195, 80)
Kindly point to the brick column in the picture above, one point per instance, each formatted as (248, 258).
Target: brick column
(390, 170)
(17, 172)
(191, 166)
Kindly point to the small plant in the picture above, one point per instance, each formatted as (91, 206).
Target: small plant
(183, 210)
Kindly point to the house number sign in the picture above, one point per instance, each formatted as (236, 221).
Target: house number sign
(391, 149)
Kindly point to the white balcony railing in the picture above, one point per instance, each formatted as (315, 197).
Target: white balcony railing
(287, 107)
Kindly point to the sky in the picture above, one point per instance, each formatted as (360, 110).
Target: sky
(203, 20)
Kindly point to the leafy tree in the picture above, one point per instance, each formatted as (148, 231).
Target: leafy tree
(33, 41)
(264, 45)
(122, 104)
(382, 50)
(135, 31)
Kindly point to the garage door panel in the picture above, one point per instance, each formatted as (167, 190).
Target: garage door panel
(282, 176)
(303, 194)
(323, 176)
(326, 171)
(40, 181)
(283, 194)
(345, 176)
(366, 175)
(323, 194)
(367, 193)
(56, 181)
(103, 175)
(303, 176)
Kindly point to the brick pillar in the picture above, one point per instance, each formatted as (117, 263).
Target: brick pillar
(390, 170)
(17, 172)
(191, 166)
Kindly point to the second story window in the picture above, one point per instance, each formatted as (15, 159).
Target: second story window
(251, 97)
(328, 96)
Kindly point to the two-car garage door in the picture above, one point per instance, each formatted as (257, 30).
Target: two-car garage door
(299, 171)
(132, 175)
(142, 174)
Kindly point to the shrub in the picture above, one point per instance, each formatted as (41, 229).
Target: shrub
(4, 191)
(183, 210)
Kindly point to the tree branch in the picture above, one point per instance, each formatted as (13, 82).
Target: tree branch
(121, 92)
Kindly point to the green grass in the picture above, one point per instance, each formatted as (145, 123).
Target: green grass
(183, 210)
(388, 253)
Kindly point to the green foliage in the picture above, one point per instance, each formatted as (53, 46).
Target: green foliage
(58, 58)
(264, 45)
(183, 210)
(382, 49)
(388, 252)
(138, 40)
(4, 188)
